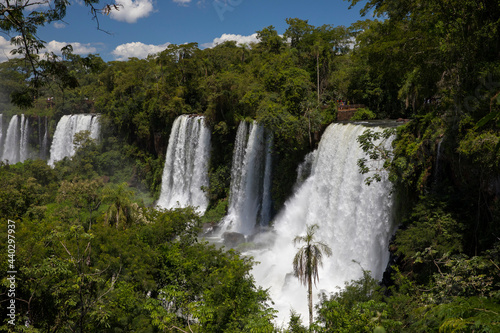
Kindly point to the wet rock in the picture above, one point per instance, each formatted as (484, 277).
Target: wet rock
(232, 239)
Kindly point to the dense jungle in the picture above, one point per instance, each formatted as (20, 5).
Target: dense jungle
(94, 253)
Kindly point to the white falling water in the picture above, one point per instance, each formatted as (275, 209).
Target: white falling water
(186, 165)
(354, 219)
(45, 141)
(69, 125)
(305, 168)
(437, 170)
(11, 142)
(23, 144)
(250, 192)
(1, 133)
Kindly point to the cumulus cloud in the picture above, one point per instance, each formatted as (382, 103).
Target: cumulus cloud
(53, 46)
(5, 49)
(238, 38)
(131, 10)
(137, 50)
(78, 48)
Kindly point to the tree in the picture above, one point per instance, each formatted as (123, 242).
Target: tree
(22, 19)
(269, 39)
(307, 260)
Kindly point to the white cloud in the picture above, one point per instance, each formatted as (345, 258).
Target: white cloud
(131, 10)
(238, 38)
(5, 49)
(182, 2)
(53, 46)
(78, 48)
(37, 5)
(59, 25)
(137, 50)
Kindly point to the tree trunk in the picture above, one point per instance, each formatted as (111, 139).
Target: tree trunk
(309, 296)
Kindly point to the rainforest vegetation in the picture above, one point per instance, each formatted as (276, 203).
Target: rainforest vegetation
(94, 255)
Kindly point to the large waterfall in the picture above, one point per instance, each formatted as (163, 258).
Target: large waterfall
(67, 127)
(354, 219)
(186, 166)
(15, 144)
(250, 196)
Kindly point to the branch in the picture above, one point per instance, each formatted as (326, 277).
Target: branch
(71, 256)
(105, 10)
(180, 329)
(113, 281)
(491, 100)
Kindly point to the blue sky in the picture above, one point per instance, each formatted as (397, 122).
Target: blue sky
(148, 26)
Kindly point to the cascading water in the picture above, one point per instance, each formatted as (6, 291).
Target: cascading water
(1, 133)
(305, 168)
(437, 170)
(354, 219)
(11, 142)
(250, 196)
(23, 144)
(45, 141)
(186, 165)
(62, 144)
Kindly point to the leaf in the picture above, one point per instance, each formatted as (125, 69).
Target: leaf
(483, 121)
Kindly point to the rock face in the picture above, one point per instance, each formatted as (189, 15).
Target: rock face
(232, 239)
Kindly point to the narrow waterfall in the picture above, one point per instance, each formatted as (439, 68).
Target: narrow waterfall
(1, 134)
(250, 192)
(354, 219)
(44, 145)
(23, 144)
(186, 165)
(11, 142)
(437, 168)
(62, 144)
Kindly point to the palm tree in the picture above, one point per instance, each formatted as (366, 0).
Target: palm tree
(307, 260)
(120, 202)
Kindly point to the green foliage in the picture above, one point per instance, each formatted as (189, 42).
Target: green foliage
(483, 148)
(215, 214)
(295, 323)
(356, 308)
(211, 291)
(462, 315)
(364, 114)
(429, 226)
(374, 144)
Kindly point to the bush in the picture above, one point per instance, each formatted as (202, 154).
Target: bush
(363, 114)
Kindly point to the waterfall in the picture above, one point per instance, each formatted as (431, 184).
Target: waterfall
(1, 134)
(45, 141)
(354, 219)
(304, 169)
(23, 145)
(437, 170)
(186, 165)
(15, 144)
(250, 191)
(62, 144)
(11, 142)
